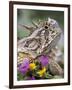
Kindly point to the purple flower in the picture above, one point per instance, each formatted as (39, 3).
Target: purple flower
(23, 68)
(31, 78)
(44, 60)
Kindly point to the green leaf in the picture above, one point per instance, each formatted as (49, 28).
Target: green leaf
(20, 76)
(48, 76)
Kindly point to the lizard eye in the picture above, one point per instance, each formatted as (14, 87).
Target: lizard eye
(46, 27)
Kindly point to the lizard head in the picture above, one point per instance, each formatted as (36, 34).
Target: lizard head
(49, 24)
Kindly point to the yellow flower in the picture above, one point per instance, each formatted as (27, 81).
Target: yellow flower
(32, 66)
(41, 72)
